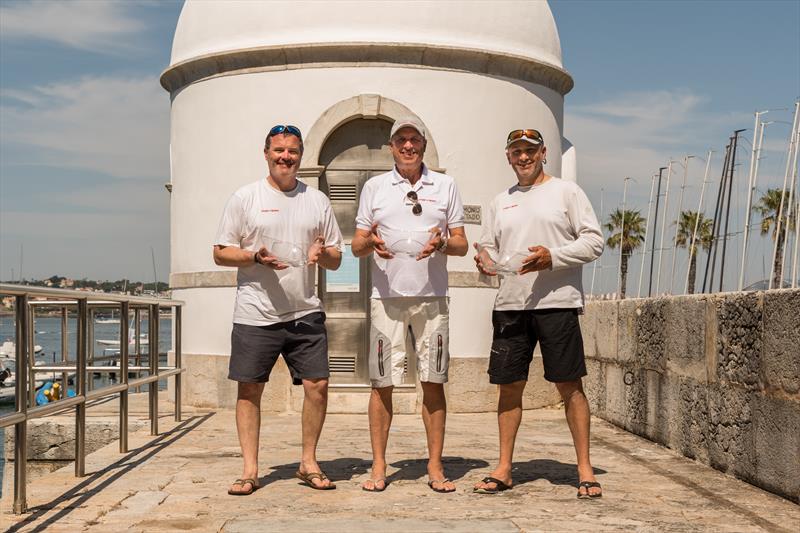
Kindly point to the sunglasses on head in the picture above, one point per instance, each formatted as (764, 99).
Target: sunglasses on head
(516, 135)
(291, 130)
(417, 207)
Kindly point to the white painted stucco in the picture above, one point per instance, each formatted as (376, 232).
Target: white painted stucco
(219, 121)
(523, 28)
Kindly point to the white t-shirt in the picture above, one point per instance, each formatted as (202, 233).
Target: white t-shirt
(383, 201)
(263, 295)
(557, 215)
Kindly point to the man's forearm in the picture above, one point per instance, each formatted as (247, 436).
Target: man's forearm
(457, 245)
(233, 256)
(360, 246)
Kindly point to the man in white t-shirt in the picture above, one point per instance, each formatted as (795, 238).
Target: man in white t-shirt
(275, 231)
(411, 218)
(537, 235)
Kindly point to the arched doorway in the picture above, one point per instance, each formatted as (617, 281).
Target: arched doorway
(352, 153)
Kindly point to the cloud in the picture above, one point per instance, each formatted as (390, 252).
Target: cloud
(94, 25)
(114, 125)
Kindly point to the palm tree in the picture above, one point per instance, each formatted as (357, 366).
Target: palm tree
(768, 206)
(686, 225)
(631, 236)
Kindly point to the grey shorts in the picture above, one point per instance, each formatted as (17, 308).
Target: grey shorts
(303, 343)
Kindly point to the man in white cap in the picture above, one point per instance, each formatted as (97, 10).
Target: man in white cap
(550, 225)
(409, 307)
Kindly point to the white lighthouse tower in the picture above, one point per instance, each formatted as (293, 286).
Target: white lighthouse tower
(342, 71)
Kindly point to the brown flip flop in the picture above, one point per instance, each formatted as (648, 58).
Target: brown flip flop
(309, 478)
(242, 482)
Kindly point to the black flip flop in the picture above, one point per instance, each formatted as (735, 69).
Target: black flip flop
(499, 486)
(587, 485)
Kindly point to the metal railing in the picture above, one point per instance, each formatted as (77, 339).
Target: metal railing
(85, 304)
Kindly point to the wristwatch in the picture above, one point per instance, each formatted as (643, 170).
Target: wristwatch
(443, 245)
(255, 259)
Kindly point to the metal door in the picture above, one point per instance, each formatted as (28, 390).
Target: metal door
(353, 153)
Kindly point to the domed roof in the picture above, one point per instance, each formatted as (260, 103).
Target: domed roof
(523, 29)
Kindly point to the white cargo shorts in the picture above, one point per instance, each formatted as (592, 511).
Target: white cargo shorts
(402, 326)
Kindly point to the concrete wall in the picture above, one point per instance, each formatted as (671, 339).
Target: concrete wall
(714, 377)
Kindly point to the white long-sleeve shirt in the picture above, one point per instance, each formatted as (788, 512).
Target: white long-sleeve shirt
(557, 215)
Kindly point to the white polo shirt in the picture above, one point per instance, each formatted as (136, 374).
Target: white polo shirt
(383, 201)
(557, 215)
(265, 296)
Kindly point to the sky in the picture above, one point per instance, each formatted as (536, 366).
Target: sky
(84, 123)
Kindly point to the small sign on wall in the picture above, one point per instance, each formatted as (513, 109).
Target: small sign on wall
(472, 214)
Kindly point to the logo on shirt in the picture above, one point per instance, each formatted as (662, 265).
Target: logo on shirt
(270, 210)
(510, 206)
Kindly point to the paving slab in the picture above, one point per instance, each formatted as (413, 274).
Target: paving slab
(177, 481)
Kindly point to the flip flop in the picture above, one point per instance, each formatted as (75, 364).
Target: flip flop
(587, 485)
(242, 482)
(309, 478)
(375, 485)
(442, 481)
(499, 486)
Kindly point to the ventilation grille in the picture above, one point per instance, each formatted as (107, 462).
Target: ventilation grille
(343, 364)
(342, 192)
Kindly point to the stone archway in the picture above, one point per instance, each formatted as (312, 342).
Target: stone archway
(366, 106)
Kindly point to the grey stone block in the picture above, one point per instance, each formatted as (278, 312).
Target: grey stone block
(658, 406)
(731, 431)
(777, 446)
(685, 333)
(615, 404)
(599, 329)
(594, 384)
(650, 334)
(780, 358)
(53, 438)
(689, 418)
(628, 312)
(635, 382)
(739, 338)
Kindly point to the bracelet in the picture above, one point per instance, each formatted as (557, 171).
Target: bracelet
(255, 259)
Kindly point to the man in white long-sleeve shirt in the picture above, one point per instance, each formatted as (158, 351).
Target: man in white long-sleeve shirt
(551, 224)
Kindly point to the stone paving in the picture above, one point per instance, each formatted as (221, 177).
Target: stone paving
(177, 481)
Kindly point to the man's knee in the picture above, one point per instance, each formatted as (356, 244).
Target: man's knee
(569, 389)
(250, 392)
(512, 390)
(316, 389)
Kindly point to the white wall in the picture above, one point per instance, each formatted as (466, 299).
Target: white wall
(218, 129)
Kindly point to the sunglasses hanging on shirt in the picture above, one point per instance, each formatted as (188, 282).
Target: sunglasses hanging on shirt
(417, 207)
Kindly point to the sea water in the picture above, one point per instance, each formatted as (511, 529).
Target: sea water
(48, 336)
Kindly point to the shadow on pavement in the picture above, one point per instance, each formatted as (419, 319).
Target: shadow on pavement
(340, 469)
(86, 489)
(455, 468)
(555, 472)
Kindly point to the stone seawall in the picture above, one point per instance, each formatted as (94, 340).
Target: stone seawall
(715, 377)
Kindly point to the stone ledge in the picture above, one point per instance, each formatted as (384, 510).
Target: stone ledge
(227, 278)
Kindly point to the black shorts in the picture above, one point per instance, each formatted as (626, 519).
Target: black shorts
(516, 334)
(303, 343)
